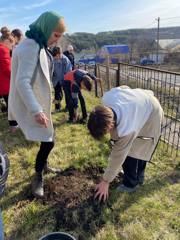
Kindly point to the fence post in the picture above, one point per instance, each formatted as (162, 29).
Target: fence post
(118, 76)
(96, 87)
(108, 74)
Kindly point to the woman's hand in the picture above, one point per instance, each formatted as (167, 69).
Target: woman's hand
(41, 119)
(102, 190)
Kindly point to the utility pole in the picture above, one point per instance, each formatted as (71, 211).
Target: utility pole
(157, 48)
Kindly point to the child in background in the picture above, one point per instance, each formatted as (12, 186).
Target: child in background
(70, 55)
(74, 82)
(18, 36)
(62, 65)
(6, 46)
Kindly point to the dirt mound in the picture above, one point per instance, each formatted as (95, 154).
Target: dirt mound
(72, 193)
(71, 188)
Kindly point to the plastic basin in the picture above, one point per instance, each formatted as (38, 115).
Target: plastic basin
(58, 236)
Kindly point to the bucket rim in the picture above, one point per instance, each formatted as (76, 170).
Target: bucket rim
(49, 234)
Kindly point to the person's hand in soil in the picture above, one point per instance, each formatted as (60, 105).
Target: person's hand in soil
(102, 191)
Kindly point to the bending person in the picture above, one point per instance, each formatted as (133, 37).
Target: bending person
(133, 117)
(74, 82)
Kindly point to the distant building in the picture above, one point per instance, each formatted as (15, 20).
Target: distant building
(161, 56)
(116, 53)
(169, 44)
(113, 49)
(166, 46)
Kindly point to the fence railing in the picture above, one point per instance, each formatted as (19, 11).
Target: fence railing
(164, 84)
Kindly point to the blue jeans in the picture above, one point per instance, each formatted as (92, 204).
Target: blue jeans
(1, 227)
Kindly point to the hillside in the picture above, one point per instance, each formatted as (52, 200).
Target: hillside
(83, 40)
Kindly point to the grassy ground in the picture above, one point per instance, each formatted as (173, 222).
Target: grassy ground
(153, 212)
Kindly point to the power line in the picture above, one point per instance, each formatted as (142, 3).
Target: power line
(171, 22)
(170, 18)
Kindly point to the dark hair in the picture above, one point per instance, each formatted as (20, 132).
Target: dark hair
(56, 51)
(100, 120)
(6, 35)
(17, 33)
(87, 82)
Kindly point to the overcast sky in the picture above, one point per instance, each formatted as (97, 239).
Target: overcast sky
(93, 15)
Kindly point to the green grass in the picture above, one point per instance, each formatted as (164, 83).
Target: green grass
(153, 212)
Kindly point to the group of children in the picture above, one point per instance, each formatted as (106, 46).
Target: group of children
(71, 82)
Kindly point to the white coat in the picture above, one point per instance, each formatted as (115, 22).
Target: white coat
(139, 119)
(30, 90)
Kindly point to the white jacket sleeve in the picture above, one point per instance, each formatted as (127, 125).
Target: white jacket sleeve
(27, 62)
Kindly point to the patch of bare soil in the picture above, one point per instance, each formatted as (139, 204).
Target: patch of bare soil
(72, 193)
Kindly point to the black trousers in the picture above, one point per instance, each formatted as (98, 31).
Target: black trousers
(133, 171)
(70, 104)
(65, 95)
(12, 123)
(69, 100)
(42, 156)
(83, 105)
(58, 95)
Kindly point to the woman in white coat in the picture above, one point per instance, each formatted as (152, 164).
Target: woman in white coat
(30, 88)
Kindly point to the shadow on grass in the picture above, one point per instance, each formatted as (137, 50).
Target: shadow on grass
(14, 141)
(82, 216)
(24, 195)
(60, 122)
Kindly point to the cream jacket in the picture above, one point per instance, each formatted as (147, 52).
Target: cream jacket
(139, 143)
(30, 90)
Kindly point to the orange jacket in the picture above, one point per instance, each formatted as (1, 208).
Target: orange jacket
(69, 76)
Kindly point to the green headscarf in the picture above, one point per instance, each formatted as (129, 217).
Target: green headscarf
(42, 28)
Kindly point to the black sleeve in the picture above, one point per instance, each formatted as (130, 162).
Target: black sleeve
(92, 76)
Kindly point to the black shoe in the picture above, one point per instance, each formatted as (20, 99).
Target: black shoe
(141, 183)
(58, 107)
(121, 174)
(70, 121)
(82, 120)
(123, 188)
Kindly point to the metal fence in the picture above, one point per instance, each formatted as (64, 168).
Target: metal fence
(164, 84)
